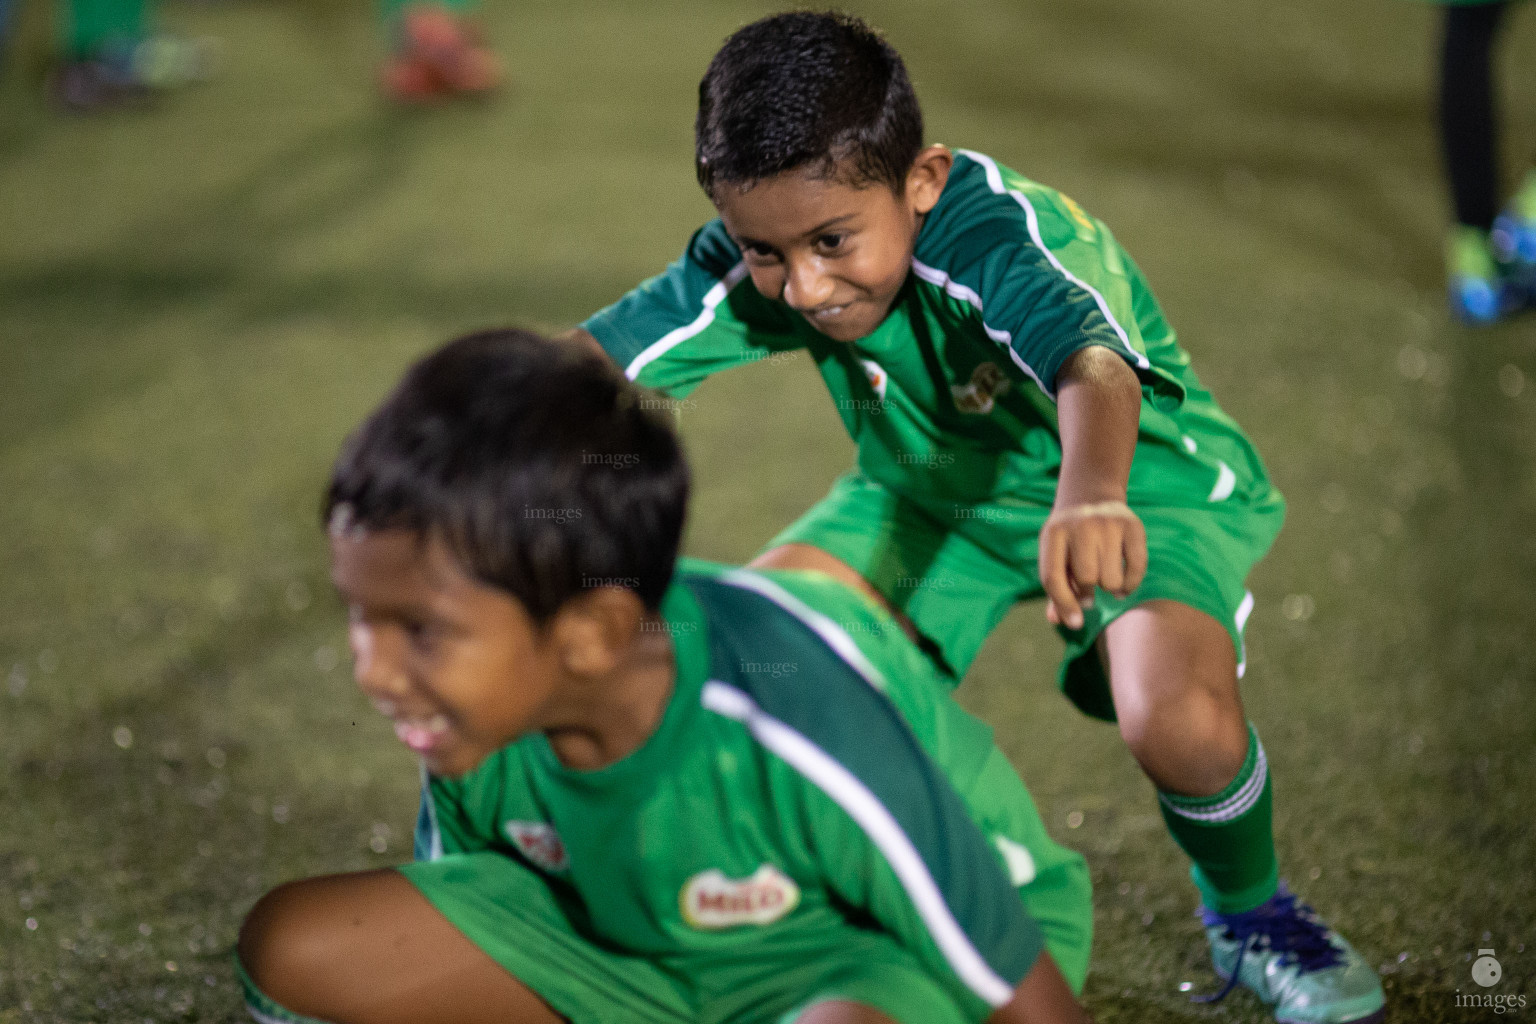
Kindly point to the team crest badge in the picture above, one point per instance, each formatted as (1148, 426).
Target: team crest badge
(712, 901)
(538, 842)
(877, 376)
(987, 382)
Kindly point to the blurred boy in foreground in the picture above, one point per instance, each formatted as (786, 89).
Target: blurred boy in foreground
(688, 795)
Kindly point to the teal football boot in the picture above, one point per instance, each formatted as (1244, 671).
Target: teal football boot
(1293, 961)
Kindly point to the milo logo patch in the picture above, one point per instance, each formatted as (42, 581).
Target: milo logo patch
(710, 900)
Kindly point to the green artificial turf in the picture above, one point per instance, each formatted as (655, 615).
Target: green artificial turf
(198, 301)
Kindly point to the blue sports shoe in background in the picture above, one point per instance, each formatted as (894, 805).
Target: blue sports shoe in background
(1292, 960)
(1513, 238)
(1482, 288)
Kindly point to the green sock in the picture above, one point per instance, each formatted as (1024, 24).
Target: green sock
(262, 1007)
(1229, 836)
(89, 27)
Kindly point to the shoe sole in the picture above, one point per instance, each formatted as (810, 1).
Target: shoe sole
(1375, 1017)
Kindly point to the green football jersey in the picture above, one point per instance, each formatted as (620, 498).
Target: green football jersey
(952, 399)
(801, 783)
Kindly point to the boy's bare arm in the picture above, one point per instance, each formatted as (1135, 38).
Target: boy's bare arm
(1042, 998)
(1092, 537)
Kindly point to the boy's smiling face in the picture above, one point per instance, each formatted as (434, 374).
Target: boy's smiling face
(836, 254)
(458, 666)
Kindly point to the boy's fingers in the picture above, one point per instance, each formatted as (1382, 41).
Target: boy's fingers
(1053, 578)
(1112, 569)
(1086, 562)
(1068, 611)
(1135, 557)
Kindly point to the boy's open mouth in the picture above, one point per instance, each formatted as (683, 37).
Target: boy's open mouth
(420, 734)
(421, 737)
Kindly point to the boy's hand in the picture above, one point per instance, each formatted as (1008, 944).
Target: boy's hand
(1092, 538)
(1100, 544)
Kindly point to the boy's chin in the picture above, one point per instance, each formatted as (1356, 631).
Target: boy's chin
(849, 332)
(453, 764)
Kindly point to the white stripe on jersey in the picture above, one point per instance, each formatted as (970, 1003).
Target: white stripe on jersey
(878, 823)
(935, 276)
(435, 847)
(995, 183)
(1241, 618)
(1226, 481)
(835, 636)
(673, 338)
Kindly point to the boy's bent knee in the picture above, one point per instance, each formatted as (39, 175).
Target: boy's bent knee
(1193, 746)
(305, 941)
(283, 945)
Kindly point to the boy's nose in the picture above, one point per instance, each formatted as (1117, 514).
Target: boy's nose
(805, 286)
(376, 672)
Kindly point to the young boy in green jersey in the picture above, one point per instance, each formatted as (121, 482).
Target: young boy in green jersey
(1027, 426)
(682, 796)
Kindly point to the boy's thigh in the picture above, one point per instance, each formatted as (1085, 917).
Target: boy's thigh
(509, 912)
(953, 590)
(901, 992)
(368, 947)
(849, 965)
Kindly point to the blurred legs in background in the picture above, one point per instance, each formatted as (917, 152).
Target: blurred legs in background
(1490, 257)
(7, 10)
(109, 54)
(436, 50)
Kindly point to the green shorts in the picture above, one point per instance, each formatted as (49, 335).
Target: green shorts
(511, 912)
(956, 570)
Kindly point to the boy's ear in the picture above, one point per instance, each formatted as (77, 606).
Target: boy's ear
(594, 629)
(926, 179)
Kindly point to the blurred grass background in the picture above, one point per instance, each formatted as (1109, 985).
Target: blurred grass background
(198, 301)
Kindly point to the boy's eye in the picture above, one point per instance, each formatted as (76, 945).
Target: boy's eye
(422, 634)
(830, 242)
(758, 251)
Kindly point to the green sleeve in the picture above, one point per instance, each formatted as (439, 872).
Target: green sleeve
(698, 317)
(896, 843)
(1045, 279)
(871, 813)
(959, 741)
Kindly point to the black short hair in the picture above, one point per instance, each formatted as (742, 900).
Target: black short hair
(534, 460)
(806, 89)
